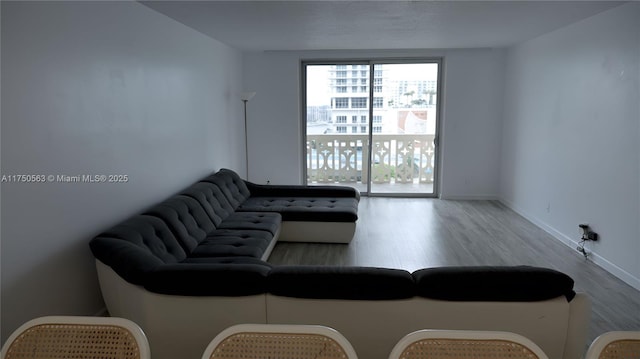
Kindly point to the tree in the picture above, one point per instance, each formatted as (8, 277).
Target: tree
(419, 102)
(409, 95)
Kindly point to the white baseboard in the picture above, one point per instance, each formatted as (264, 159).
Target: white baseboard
(594, 257)
(615, 270)
(487, 197)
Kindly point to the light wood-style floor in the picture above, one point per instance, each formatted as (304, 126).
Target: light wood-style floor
(414, 233)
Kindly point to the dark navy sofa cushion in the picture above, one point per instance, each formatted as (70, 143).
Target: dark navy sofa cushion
(211, 199)
(266, 221)
(137, 246)
(226, 260)
(487, 283)
(234, 242)
(304, 203)
(352, 283)
(186, 218)
(258, 190)
(128, 260)
(234, 278)
(232, 186)
(150, 234)
(318, 209)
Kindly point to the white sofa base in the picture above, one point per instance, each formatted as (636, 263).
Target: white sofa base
(374, 327)
(272, 245)
(317, 232)
(182, 326)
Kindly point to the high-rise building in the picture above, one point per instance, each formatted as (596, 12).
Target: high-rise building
(349, 88)
(350, 97)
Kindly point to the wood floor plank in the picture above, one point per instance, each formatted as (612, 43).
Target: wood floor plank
(414, 233)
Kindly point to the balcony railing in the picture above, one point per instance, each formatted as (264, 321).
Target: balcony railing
(342, 158)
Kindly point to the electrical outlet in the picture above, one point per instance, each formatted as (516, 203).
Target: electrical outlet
(587, 233)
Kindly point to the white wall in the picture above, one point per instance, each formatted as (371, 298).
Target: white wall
(100, 88)
(571, 142)
(471, 121)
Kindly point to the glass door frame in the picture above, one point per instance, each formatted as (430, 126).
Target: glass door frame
(372, 62)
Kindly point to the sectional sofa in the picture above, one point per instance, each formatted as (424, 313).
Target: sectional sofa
(196, 263)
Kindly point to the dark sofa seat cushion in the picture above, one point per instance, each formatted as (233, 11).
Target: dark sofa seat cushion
(221, 277)
(258, 190)
(227, 260)
(265, 221)
(486, 283)
(351, 283)
(234, 243)
(329, 209)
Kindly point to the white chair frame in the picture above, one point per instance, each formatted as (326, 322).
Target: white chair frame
(281, 329)
(603, 341)
(470, 335)
(68, 321)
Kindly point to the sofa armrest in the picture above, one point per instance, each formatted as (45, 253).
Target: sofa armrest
(487, 283)
(258, 190)
(578, 329)
(128, 260)
(209, 279)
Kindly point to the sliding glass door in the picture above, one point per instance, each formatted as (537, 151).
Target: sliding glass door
(404, 128)
(372, 126)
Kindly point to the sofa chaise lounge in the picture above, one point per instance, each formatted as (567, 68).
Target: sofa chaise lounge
(194, 264)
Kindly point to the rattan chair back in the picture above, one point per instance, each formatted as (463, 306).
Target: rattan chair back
(615, 345)
(72, 337)
(279, 341)
(465, 344)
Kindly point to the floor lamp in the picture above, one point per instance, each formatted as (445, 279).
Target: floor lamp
(245, 97)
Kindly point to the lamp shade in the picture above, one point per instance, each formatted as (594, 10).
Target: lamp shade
(246, 96)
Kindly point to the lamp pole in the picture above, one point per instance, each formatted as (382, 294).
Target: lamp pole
(246, 140)
(245, 97)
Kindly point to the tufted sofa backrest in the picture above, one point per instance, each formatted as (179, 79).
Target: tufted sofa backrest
(212, 200)
(186, 218)
(137, 246)
(232, 186)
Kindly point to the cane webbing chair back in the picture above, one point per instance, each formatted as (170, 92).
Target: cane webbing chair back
(615, 345)
(465, 344)
(279, 341)
(71, 337)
